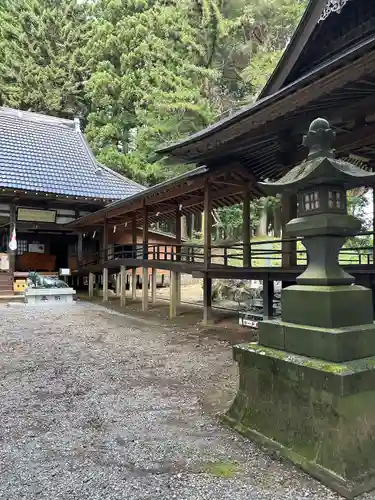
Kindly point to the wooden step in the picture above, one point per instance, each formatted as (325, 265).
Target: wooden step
(11, 298)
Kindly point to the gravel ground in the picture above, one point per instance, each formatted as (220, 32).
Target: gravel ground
(100, 405)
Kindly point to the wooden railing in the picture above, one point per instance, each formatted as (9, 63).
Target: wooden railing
(266, 253)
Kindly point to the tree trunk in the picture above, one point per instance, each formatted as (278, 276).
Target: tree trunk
(262, 227)
(277, 221)
(184, 234)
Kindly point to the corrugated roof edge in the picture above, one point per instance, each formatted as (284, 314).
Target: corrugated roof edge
(71, 124)
(120, 176)
(96, 164)
(36, 117)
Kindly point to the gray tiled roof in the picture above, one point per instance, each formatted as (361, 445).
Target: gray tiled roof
(40, 153)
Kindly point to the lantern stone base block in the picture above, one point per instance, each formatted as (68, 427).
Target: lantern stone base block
(337, 345)
(334, 323)
(327, 306)
(319, 415)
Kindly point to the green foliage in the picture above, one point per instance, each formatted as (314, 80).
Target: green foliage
(42, 65)
(230, 219)
(271, 24)
(357, 204)
(141, 72)
(147, 85)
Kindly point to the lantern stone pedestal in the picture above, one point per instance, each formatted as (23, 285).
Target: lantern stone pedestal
(307, 388)
(318, 414)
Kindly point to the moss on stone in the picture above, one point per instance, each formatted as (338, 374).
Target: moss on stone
(345, 368)
(222, 469)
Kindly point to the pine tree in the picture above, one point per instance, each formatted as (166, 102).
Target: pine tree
(42, 67)
(148, 86)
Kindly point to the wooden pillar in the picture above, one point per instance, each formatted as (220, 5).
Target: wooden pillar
(172, 295)
(207, 219)
(288, 212)
(122, 277)
(268, 295)
(105, 284)
(118, 285)
(145, 289)
(207, 232)
(178, 254)
(246, 229)
(153, 285)
(134, 243)
(207, 301)
(12, 225)
(79, 249)
(145, 260)
(105, 241)
(91, 285)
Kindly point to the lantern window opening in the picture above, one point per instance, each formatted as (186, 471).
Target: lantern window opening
(311, 201)
(335, 199)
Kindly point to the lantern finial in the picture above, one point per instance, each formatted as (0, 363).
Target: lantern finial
(319, 139)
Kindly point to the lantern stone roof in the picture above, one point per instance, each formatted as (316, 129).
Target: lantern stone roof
(321, 166)
(44, 154)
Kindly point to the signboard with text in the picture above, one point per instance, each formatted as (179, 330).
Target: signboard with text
(36, 215)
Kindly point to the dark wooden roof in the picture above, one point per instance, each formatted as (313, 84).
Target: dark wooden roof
(328, 71)
(184, 193)
(267, 137)
(296, 45)
(322, 35)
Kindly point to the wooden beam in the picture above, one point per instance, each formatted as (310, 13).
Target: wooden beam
(186, 186)
(225, 182)
(247, 174)
(359, 107)
(362, 136)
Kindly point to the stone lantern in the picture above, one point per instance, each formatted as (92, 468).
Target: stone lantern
(307, 388)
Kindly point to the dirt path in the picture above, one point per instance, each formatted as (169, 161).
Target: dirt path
(101, 405)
